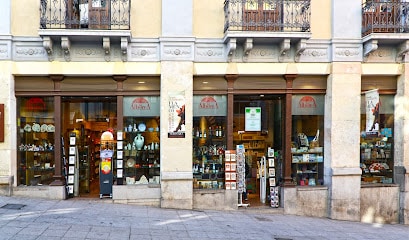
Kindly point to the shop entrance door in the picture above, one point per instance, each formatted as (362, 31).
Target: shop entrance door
(267, 132)
(88, 118)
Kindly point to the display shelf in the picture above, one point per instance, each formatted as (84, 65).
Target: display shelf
(377, 160)
(36, 155)
(307, 166)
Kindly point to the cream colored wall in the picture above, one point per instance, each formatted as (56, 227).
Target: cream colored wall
(146, 18)
(321, 19)
(209, 23)
(22, 13)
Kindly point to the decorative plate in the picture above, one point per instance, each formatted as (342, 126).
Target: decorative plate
(36, 127)
(44, 127)
(27, 128)
(142, 127)
(130, 162)
(50, 128)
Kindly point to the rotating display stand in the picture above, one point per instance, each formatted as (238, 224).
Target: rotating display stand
(106, 175)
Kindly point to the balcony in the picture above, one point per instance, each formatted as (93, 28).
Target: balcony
(71, 21)
(261, 21)
(85, 14)
(385, 22)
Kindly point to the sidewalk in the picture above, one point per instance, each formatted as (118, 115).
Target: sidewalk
(23, 218)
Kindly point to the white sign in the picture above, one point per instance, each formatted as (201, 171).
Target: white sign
(253, 119)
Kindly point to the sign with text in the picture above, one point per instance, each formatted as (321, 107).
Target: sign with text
(141, 106)
(176, 121)
(253, 119)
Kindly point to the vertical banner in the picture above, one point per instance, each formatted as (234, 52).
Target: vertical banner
(176, 115)
(372, 112)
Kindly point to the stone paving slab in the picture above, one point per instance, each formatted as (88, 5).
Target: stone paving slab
(42, 219)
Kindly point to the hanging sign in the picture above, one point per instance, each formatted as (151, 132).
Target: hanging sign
(176, 121)
(253, 119)
(372, 104)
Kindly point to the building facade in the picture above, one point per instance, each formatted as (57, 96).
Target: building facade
(146, 101)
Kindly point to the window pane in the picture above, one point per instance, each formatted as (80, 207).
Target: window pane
(36, 140)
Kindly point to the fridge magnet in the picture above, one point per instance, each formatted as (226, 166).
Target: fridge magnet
(227, 166)
(233, 167)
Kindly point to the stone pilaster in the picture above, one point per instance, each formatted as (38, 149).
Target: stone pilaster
(342, 128)
(176, 153)
(401, 136)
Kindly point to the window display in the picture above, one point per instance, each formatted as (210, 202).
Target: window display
(209, 141)
(35, 141)
(377, 138)
(141, 140)
(307, 142)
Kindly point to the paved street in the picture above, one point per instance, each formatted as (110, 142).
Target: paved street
(23, 218)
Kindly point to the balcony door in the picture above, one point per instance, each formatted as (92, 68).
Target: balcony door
(99, 15)
(92, 14)
(261, 15)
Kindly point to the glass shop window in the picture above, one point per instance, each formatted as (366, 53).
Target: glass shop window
(307, 140)
(376, 144)
(209, 141)
(141, 139)
(35, 136)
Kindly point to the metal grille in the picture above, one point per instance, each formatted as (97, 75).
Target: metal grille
(267, 15)
(385, 17)
(92, 14)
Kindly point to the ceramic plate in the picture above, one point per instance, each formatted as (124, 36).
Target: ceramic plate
(141, 127)
(36, 127)
(130, 162)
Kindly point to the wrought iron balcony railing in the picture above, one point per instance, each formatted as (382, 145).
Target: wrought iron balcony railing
(267, 15)
(380, 16)
(88, 14)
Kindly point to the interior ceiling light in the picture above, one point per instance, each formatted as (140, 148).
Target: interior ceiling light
(141, 82)
(205, 82)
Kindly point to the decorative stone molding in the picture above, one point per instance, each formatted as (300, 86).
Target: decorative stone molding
(106, 45)
(231, 48)
(48, 46)
(285, 46)
(370, 46)
(66, 45)
(248, 46)
(402, 50)
(124, 48)
(301, 46)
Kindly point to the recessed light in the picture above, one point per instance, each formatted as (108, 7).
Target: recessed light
(205, 82)
(141, 82)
